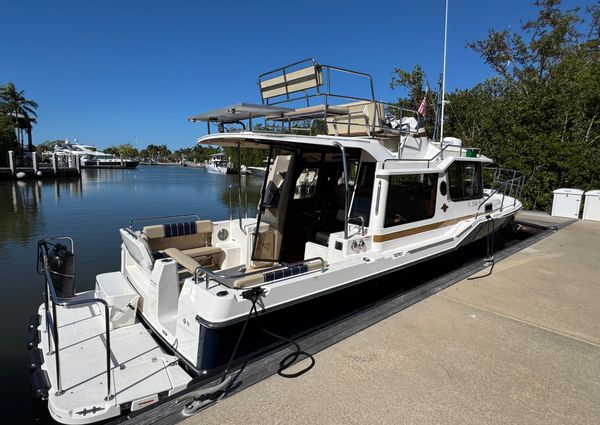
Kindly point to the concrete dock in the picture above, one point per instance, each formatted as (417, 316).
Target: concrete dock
(521, 346)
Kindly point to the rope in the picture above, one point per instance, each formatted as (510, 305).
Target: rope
(489, 259)
(287, 361)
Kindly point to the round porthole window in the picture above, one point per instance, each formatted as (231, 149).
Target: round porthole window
(222, 293)
(443, 188)
(222, 234)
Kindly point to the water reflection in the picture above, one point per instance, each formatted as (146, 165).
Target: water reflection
(90, 209)
(19, 211)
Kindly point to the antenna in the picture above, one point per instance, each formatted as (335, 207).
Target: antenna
(444, 76)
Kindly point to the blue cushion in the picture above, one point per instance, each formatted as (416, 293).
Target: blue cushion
(287, 272)
(179, 229)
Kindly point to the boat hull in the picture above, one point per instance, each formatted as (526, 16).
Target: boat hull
(110, 164)
(215, 170)
(217, 341)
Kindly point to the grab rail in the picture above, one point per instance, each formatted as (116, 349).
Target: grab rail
(219, 277)
(516, 182)
(346, 187)
(430, 160)
(50, 295)
(362, 223)
(241, 188)
(135, 220)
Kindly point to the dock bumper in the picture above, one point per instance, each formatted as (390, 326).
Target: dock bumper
(40, 384)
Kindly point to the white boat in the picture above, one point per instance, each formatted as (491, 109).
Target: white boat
(217, 164)
(257, 171)
(91, 157)
(372, 196)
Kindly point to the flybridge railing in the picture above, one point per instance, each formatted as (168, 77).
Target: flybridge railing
(51, 300)
(506, 182)
(308, 80)
(306, 77)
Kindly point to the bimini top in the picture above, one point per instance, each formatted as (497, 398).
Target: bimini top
(239, 112)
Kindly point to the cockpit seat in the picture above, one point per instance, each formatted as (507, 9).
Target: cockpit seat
(362, 119)
(191, 238)
(184, 260)
(202, 251)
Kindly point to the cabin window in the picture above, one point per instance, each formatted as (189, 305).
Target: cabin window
(410, 198)
(465, 180)
(361, 204)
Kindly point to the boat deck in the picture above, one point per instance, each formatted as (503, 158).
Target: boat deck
(521, 346)
(140, 368)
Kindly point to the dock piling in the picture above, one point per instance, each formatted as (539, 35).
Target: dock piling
(12, 163)
(34, 158)
(55, 163)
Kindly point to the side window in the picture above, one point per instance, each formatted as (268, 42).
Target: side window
(465, 181)
(410, 198)
(361, 204)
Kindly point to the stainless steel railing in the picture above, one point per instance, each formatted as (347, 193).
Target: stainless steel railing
(322, 88)
(135, 220)
(429, 161)
(241, 189)
(222, 278)
(51, 300)
(511, 187)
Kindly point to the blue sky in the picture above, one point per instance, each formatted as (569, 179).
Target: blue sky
(111, 72)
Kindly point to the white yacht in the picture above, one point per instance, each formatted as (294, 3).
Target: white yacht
(91, 157)
(217, 164)
(372, 196)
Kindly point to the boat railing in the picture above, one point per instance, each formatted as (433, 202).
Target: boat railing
(225, 279)
(137, 220)
(469, 152)
(506, 182)
(362, 223)
(51, 301)
(242, 190)
(308, 80)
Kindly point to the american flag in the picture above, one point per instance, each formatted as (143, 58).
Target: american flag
(423, 106)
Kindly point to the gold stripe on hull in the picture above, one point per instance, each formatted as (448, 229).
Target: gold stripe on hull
(416, 230)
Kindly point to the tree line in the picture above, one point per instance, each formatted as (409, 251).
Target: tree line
(17, 115)
(540, 113)
(151, 153)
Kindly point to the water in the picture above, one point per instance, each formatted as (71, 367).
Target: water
(90, 210)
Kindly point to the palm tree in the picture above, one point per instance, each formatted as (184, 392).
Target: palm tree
(14, 103)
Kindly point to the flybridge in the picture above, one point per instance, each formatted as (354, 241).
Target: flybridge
(306, 89)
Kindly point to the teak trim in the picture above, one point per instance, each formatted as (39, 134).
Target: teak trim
(415, 230)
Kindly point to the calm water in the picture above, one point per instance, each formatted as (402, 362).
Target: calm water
(90, 210)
